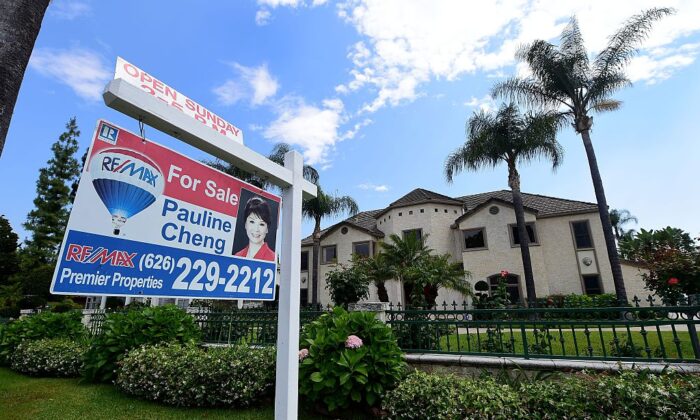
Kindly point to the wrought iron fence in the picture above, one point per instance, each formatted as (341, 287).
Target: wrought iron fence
(626, 333)
(255, 326)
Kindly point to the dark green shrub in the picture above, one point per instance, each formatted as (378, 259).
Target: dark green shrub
(623, 396)
(123, 331)
(57, 357)
(347, 284)
(9, 312)
(186, 375)
(63, 306)
(36, 327)
(338, 371)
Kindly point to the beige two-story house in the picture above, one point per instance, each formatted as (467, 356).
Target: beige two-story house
(567, 246)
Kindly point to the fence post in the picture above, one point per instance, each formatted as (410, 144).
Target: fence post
(526, 350)
(693, 334)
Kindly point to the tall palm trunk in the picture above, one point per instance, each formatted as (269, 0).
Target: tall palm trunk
(605, 218)
(316, 261)
(20, 21)
(514, 184)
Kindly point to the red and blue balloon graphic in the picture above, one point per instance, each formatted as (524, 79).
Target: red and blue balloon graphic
(126, 181)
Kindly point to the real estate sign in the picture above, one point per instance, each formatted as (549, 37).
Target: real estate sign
(146, 82)
(148, 221)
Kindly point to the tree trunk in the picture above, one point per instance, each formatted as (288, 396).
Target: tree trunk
(382, 293)
(514, 183)
(316, 261)
(605, 219)
(20, 21)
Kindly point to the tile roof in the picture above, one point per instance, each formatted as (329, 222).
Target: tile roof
(364, 221)
(543, 205)
(418, 196)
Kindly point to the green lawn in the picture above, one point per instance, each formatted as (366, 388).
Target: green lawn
(601, 344)
(23, 397)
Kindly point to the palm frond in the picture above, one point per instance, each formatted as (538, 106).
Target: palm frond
(624, 44)
(527, 92)
(607, 105)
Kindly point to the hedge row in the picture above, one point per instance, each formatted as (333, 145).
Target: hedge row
(57, 357)
(627, 395)
(191, 376)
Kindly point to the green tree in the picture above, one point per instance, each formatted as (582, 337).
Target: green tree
(564, 79)
(47, 221)
(402, 255)
(433, 272)
(672, 257)
(9, 243)
(511, 138)
(378, 271)
(20, 21)
(348, 284)
(618, 219)
(324, 205)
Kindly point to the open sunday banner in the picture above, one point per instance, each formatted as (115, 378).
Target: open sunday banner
(148, 221)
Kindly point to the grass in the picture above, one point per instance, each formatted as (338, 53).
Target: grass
(23, 397)
(601, 343)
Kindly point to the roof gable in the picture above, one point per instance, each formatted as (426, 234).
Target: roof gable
(420, 196)
(544, 205)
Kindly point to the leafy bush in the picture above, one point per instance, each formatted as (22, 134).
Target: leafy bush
(628, 395)
(36, 327)
(132, 328)
(349, 359)
(58, 357)
(186, 375)
(347, 284)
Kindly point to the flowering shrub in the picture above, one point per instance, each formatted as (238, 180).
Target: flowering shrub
(36, 327)
(627, 395)
(352, 360)
(49, 357)
(186, 375)
(126, 330)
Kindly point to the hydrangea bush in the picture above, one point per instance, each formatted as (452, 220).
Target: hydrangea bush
(186, 375)
(348, 360)
(57, 357)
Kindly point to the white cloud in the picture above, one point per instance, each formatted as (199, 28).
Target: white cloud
(253, 83)
(406, 44)
(262, 17)
(660, 64)
(486, 103)
(373, 187)
(314, 129)
(82, 70)
(68, 9)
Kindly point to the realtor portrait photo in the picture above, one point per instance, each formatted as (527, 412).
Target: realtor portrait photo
(256, 227)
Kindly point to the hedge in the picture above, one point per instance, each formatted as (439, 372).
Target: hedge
(57, 357)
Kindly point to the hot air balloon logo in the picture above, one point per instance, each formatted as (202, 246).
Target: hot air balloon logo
(126, 181)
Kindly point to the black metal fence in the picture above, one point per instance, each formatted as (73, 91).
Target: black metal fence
(626, 333)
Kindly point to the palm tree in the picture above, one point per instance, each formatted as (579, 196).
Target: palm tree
(514, 139)
(402, 255)
(276, 155)
(379, 271)
(20, 22)
(324, 205)
(619, 218)
(563, 78)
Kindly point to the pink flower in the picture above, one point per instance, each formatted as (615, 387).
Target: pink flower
(353, 342)
(672, 281)
(303, 354)
(504, 273)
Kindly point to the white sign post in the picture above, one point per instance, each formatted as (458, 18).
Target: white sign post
(139, 104)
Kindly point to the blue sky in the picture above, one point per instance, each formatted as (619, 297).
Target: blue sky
(375, 94)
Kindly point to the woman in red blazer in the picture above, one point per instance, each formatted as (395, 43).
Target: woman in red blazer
(257, 221)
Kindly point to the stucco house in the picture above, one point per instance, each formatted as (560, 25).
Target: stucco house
(567, 246)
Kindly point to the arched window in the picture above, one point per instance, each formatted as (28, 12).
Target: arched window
(512, 286)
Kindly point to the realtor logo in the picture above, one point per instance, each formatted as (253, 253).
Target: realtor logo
(108, 133)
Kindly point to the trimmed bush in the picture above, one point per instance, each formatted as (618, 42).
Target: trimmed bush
(36, 327)
(348, 360)
(627, 395)
(57, 357)
(123, 331)
(194, 377)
